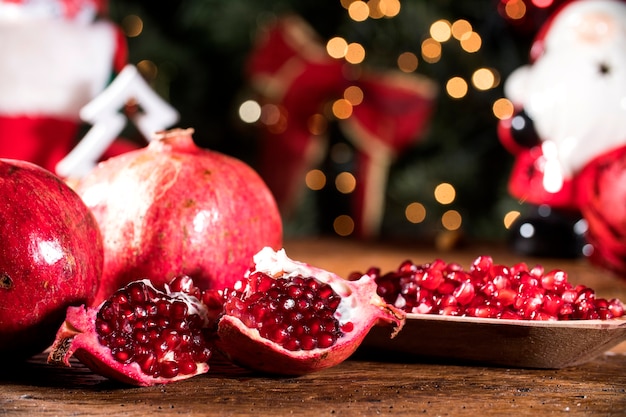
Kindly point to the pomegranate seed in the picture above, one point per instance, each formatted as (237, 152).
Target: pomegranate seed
(297, 313)
(491, 290)
(148, 327)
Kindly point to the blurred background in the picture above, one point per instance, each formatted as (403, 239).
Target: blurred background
(445, 175)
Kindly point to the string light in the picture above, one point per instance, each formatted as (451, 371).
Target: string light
(345, 182)
(315, 179)
(148, 69)
(461, 29)
(355, 53)
(484, 79)
(250, 111)
(441, 30)
(390, 8)
(343, 225)
(456, 87)
(471, 42)
(515, 9)
(431, 50)
(354, 95)
(342, 109)
(451, 220)
(503, 108)
(445, 193)
(407, 62)
(132, 25)
(510, 217)
(415, 212)
(337, 47)
(358, 11)
(317, 124)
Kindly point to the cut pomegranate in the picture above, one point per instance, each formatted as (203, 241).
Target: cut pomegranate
(490, 290)
(140, 335)
(290, 318)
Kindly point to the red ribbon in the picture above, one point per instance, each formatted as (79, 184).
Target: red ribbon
(291, 69)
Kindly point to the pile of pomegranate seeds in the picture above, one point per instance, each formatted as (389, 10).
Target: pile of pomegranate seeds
(297, 313)
(491, 291)
(159, 332)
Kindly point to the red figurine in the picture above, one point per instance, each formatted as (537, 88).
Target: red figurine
(570, 103)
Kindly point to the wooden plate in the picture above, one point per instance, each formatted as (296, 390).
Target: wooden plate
(507, 343)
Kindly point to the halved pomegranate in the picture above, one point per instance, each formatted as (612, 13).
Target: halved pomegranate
(291, 318)
(490, 290)
(140, 335)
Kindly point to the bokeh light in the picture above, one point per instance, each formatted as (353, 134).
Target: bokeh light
(389, 8)
(503, 108)
(445, 193)
(337, 47)
(472, 42)
(510, 217)
(250, 111)
(484, 79)
(315, 179)
(358, 11)
(515, 9)
(354, 95)
(317, 124)
(415, 212)
(461, 29)
(343, 225)
(456, 87)
(355, 54)
(341, 153)
(132, 25)
(345, 182)
(148, 69)
(407, 62)
(441, 30)
(342, 109)
(431, 50)
(451, 220)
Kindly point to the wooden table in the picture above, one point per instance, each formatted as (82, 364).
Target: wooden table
(357, 387)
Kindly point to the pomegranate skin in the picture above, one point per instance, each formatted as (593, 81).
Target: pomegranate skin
(602, 201)
(51, 256)
(173, 208)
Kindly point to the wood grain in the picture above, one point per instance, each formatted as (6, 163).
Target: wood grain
(364, 385)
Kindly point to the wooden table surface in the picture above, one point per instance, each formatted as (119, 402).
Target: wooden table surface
(359, 386)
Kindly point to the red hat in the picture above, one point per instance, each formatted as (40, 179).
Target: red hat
(568, 14)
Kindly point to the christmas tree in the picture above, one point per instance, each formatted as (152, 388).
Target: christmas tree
(452, 179)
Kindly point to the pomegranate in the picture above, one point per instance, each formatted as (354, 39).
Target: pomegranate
(490, 290)
(602, 200)
(50, 257)
(291, 318)
(173, 208)
(140, 335)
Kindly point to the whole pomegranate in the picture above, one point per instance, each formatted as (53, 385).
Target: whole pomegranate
(173, 208)
(602, 201)
(291, 318)
(50, 258)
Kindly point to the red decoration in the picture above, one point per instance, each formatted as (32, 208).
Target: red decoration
(290, 68)
(58, 56)
(572, 96)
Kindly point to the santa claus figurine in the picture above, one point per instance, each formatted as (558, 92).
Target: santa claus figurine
(570, 103)
(56, 56)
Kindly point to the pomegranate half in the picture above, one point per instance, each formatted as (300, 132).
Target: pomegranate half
(291, 318)
(50, 257)
(141, 335)
(173, 208)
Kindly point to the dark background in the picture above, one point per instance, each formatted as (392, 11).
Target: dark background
(199, 48)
